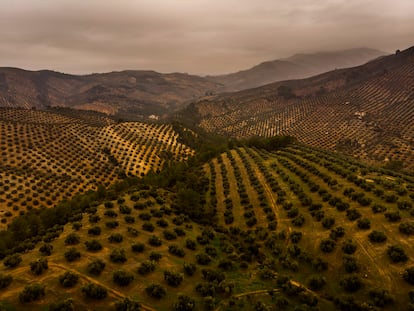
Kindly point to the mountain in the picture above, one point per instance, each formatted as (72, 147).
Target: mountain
(295, 67)
(125, 93)
(366, 111)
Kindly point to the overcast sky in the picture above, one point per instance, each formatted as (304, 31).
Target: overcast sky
(194, 36)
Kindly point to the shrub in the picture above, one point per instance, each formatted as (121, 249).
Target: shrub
(127, 305)
(115, 238)
(296, 236)
(155, 291)
(138, 247)
(184, 303)
(72, 254)
(210, 250)
(203, 259)
(129, 219)
(162, 223)
(32, 292)
(154, 241)
(351, 283)
(12, 261)
(353, 214)
(93, 245)
(145, 216)
(364, 223)
(179, 231)
(109, 204)
(146, 267)
(46, 249)
(118, 255)
(176, 250)
(5, 280)
(94, 291)
(327, 245)
(298, 221)
(72, 239)
(328, 222)
(132, 231)
(337, 233)
(173, 278)
(112, 224)
(65, 305)
(377, 236)
(155, 256)
(169, 235)
(349, 247)
(122, 277)
(93, 219)
(94, 230)
(189, 268)
(191, 244)
(147, 226)
(404, 205)
(68, 279)
(397, 254)
(319, 265)
(125, 210)
(406, 228)
(211, 275)
(408, 275)
(377, 208)
(316, 282)
(380, 297)
(393, 216)
(38, 266)
(226, 264)
(96, 266)
(111, 213)
(350, 264)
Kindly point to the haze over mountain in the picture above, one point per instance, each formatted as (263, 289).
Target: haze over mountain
(295, 67)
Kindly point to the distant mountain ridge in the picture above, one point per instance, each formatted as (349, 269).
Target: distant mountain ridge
(124, 93)
(297, 66)
(135, 94)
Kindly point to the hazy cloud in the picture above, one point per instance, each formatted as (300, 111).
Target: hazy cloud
(195, 36)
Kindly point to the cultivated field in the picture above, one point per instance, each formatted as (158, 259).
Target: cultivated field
(48, 156)
(296, 227)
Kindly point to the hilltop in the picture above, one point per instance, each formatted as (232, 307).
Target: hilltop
(295, 67)
(365, 111)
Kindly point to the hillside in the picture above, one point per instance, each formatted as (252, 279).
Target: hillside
(365, 111)
(47, 156)
(293, 228)
(295, 67)
(126, 94)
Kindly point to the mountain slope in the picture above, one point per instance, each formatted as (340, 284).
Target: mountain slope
(366, 111)
(295, 67)
(126, 93)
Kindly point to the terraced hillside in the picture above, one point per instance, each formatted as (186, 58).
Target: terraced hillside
(293, 228)
(366, 111)
(53, 155)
